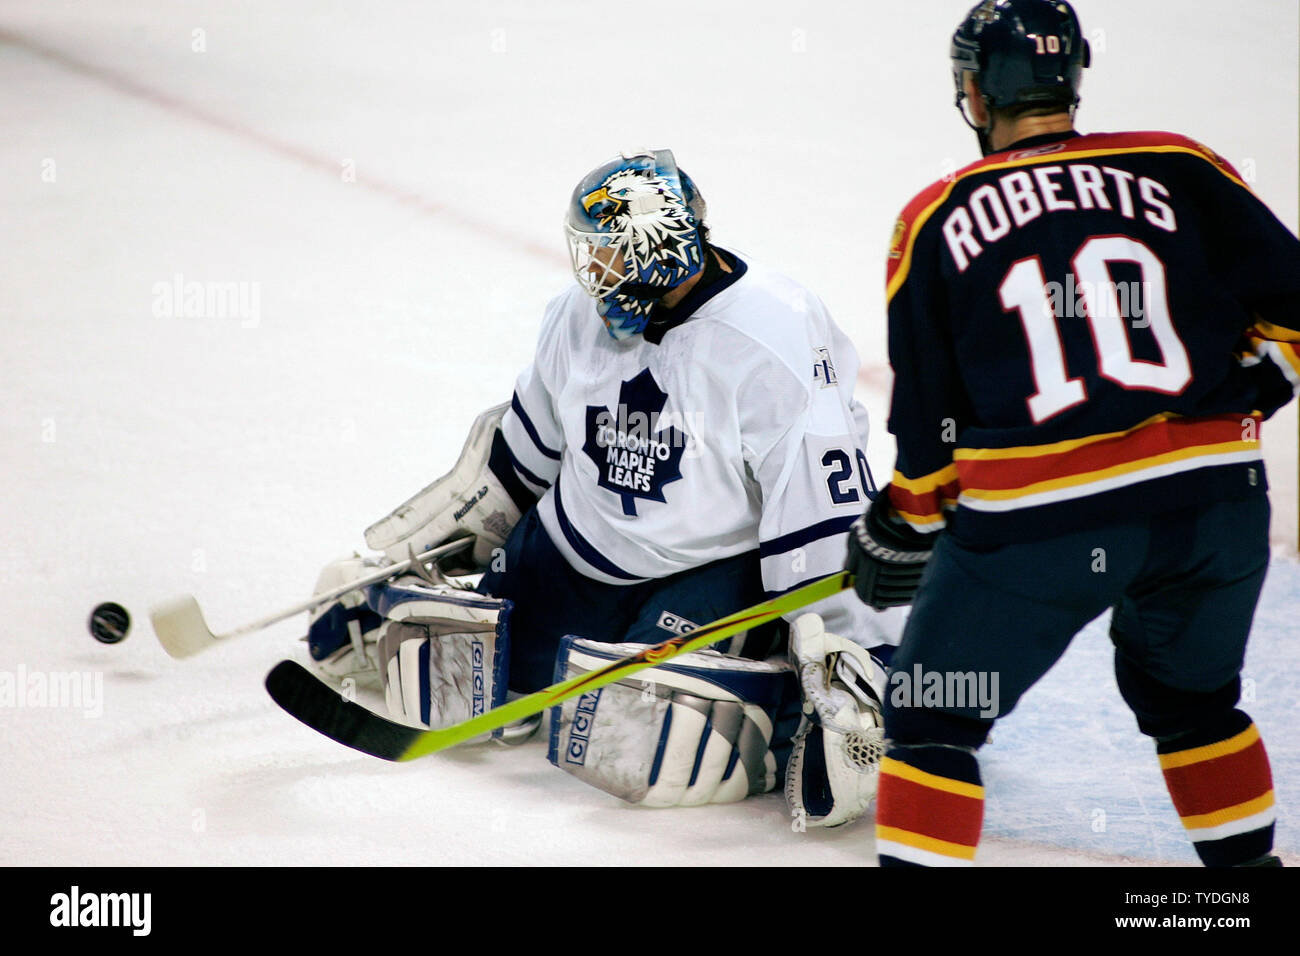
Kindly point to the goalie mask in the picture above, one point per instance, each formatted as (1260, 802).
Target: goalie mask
(636, 231)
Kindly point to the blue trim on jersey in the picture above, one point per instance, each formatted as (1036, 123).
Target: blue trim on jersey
(501, 462)
(584, 548)
(712, 281)
(816, 577)
(822, 529)
(524, 472)
(531, 428)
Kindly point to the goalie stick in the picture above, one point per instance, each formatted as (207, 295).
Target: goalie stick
(324, 709)
(182, 631)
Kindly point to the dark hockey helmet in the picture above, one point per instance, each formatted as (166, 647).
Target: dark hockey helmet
(636, 231)
(1024, 52)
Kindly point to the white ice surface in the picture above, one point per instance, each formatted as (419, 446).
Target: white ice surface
(146, 455)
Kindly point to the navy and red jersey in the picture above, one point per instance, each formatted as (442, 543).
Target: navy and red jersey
(1085, 327)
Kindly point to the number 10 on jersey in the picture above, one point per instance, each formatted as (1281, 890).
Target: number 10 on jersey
(1024, 290)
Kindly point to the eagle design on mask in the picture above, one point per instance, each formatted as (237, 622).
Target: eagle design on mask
(647, 210)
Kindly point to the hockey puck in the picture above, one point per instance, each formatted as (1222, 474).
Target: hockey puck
(109, 623)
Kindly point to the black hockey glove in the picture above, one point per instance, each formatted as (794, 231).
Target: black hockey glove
(887, 556)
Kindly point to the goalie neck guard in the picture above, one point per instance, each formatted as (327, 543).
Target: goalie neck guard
(635, 228)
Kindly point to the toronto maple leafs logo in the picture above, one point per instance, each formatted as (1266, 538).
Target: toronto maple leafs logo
(635, 448)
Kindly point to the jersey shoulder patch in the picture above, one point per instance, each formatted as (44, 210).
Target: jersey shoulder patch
(780, 318)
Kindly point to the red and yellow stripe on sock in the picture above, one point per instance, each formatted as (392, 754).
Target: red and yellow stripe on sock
(929, 807)
(1223, 792)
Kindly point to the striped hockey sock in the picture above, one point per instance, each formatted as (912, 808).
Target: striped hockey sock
(1221, 786)
(929, 807)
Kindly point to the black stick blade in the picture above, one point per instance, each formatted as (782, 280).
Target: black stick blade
(323, 709)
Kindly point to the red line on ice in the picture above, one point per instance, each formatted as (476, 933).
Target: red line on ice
(131, 87)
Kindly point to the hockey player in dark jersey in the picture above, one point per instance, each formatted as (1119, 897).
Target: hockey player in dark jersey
(1086, 332)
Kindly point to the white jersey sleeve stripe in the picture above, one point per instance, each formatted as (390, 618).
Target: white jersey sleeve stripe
(781, 571)
(830, 528)
(531, 429)
(535, 461)
(537, 484)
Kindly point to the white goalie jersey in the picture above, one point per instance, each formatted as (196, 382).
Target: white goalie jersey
(738, 432)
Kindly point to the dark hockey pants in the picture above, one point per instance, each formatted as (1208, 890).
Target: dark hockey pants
(552, 600)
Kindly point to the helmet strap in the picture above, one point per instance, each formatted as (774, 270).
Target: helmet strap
(983, 135)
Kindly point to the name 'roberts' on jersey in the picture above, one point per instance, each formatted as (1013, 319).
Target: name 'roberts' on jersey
(1019, 197)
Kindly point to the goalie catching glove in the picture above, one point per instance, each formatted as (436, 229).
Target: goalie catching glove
(887, 556)
(835, 762)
